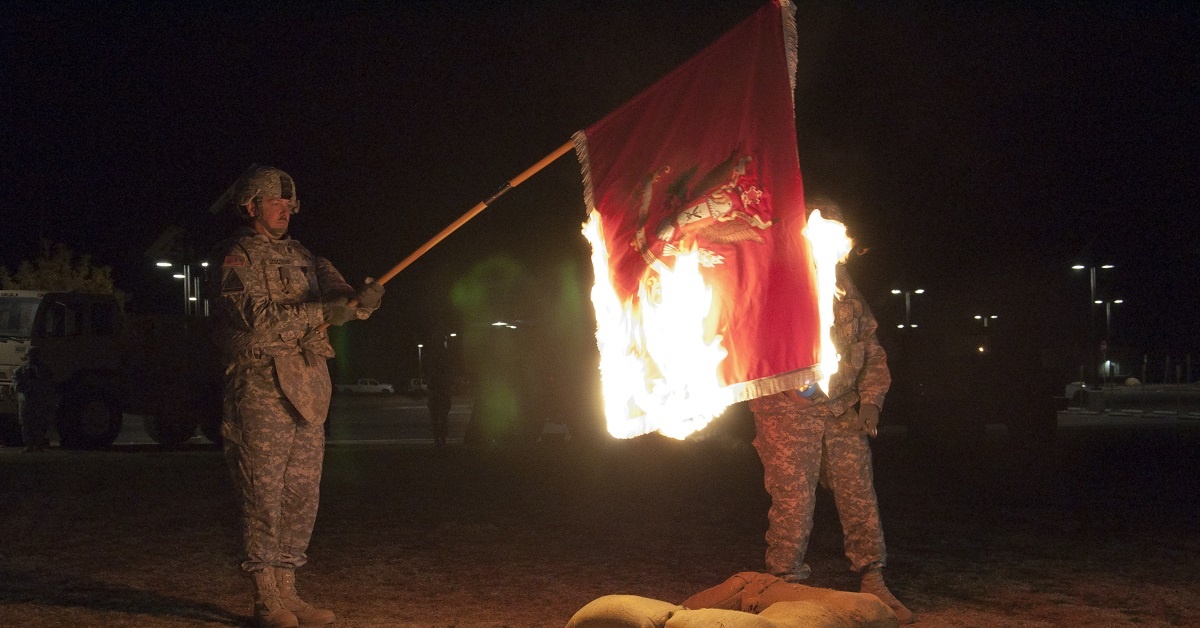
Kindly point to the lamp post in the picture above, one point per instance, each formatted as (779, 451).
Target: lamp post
(1092, 275)
(984, 318)
(193, 303)
(1092, 302)
(200, 303)
(420, 363)
(1104, 361)
(907, 305)
(984, 342)
(1108, 303)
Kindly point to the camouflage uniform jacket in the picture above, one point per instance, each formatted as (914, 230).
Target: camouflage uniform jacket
(862, 375)
(267, 305)
(34, 383)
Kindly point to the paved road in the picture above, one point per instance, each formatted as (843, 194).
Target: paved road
(357, 419)
(405, 420)
(391, 418)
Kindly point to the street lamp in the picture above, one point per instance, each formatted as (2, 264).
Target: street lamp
(1092, 274)
(191, 287)
(1092, 302)
(1108, 303)
(907, 305)
(1104, 361)
(983, 342)
(1092, 277)
(984, 318)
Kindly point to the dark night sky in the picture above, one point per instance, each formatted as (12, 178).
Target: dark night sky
(978, 149)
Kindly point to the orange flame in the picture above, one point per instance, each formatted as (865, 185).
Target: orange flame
(657, 370)
(830, 246)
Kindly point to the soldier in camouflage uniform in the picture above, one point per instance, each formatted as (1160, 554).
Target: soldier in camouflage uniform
(808, 436)
(271, 304)
(37, 399)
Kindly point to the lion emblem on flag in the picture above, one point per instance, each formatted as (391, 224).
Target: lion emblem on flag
(725, 206)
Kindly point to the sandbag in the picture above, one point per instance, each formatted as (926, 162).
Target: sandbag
(745, 600)
(623, 611)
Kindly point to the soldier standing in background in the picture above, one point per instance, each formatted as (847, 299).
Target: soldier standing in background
(810, 435)
(271, 303)
(440, 380)
(36, 400)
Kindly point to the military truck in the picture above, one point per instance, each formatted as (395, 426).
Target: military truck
(108, 365)
(17, 310)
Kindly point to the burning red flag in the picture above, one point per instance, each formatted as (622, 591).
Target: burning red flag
(705, 290)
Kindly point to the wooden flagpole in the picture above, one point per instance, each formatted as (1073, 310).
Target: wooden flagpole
(474, 211)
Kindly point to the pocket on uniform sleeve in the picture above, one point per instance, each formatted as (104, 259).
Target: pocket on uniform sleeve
(857, 355)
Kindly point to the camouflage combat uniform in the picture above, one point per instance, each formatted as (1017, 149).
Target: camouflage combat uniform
(277, 388)
(800, 439)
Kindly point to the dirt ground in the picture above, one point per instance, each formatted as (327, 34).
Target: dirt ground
(1095, 527)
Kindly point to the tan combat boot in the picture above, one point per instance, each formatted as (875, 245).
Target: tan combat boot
(306, 613)
(269, 610)
(872, 582)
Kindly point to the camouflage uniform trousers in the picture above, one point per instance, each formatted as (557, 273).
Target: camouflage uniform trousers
(796, 447)
(275, 459)
(34, 411)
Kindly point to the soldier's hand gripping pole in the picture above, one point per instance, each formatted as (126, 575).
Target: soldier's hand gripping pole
(474, 211)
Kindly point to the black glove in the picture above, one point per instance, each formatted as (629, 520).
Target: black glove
(338, 313)
(370, 295)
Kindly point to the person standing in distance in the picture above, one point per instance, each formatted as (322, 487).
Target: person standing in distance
(37, 397)
(440, 383)
(809, 436)
(272, 303)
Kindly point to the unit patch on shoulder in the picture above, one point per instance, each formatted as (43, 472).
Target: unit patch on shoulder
(232, 283)
(234, 260)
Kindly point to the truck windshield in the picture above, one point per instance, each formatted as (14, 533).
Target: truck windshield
(16, 316)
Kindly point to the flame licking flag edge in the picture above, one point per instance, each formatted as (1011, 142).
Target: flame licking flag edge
(705, 289)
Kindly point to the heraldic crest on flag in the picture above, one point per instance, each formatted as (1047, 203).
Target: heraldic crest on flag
(728, 208)
(705, 291)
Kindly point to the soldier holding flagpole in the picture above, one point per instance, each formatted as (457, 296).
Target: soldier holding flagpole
(272, 303)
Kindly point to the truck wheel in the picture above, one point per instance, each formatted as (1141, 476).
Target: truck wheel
(10, 430)
(169, 431)
(88, 419)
